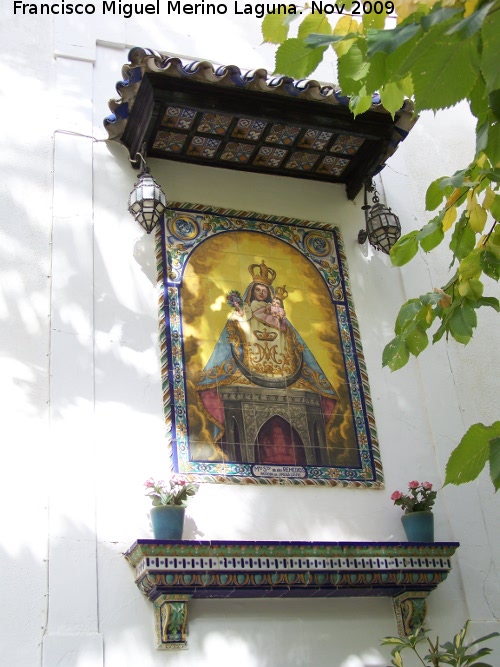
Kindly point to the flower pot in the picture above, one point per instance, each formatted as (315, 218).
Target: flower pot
(419, 526)
(167, 522)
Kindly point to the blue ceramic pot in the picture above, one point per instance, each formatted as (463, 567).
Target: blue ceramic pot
(167, 522)
(419, 526)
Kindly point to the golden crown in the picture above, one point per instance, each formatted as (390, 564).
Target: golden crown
(264, 275)
(281, 292)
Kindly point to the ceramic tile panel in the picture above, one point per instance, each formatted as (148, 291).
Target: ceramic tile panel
(275, 394)
(270, 157)
(178, 117)
(282, 134)
(249, 129)
(237, 152)
(332, 165)
(172, 142)
(214, 123)
(346, 144)
(315, 139)
(302, 161)
(203, 147)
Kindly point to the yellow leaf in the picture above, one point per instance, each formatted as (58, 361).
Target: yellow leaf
(406, 7)
(464, 288)
(453, 197)
(344, 26)
(489, 198)
(477, 217)
(470, 6)
(481, 160)
(449, 218)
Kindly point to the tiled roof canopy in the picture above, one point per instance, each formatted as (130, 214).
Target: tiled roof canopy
(223, 117)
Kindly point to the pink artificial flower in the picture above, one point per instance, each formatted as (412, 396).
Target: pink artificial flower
(427, 486)
(414, 484)
(396, 495)
(149, 483)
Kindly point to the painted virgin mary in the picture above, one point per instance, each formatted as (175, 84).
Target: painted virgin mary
(259, 349)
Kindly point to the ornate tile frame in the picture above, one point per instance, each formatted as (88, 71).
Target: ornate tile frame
(323, 246)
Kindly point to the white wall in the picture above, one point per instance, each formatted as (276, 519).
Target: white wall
(79, 354)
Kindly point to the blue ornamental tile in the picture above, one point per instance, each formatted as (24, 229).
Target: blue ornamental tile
(179, 117)
(249, 129)
(203, 147)
(270, 157)
(332, 165)
(315, 139)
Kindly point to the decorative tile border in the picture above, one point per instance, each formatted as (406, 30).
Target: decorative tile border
(167, 570)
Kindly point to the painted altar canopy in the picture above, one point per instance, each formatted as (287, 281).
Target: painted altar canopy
(263, 374)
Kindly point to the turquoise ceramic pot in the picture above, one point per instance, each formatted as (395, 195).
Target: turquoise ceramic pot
(167, 522)
(419, 526)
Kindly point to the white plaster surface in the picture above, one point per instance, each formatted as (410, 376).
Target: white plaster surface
(80, 378)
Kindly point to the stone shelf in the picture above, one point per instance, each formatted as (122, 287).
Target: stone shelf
(170, 573)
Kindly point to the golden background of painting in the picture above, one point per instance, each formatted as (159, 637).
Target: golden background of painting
(220, 265)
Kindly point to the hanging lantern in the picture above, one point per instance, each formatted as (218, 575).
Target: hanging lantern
(382, 225)
(147, 201)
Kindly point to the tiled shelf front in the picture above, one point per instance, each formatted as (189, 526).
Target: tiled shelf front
(169, 573)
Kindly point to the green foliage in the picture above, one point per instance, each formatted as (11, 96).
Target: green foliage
(456, 653)
(440, 53)
(480, 445)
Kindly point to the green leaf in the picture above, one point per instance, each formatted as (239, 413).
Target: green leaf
(478, 101)
(416, 341)
(425, 44)
(468, 26)
(274, 28)
(407, 314)
(296, 59)
(457, 180)
(489, 55)
(326, 40)
(353, 66)
(470, 266)
(494, 102)
(358, 104)
(470, 456)
(463, 239)
(438, 16)
(495, 208)
(395, 354)
(434, 195)
(472, 289)
(374, 21)
(314, 23)
(463, 321)
(490, 264)
(493, 145)
(431, 298)
(392, 97)
(389, 40)
(490, 301)
(445, 62)
(405, 249)
(431, 234)
(376, 76)
(495, 463)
